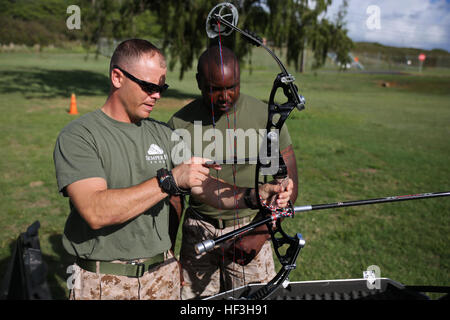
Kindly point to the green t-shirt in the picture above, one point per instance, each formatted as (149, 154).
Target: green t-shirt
(125, 155)
(250, 116)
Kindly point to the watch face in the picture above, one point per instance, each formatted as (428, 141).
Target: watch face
(165, 183)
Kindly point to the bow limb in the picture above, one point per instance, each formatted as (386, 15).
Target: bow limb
(285, 76)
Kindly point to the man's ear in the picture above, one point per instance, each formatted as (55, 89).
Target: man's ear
(116, 78)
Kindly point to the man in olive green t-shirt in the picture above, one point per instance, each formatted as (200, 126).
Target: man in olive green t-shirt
(209, 122)
(116, 166)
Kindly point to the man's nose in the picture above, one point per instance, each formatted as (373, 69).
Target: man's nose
(155, 95)
(224, 93)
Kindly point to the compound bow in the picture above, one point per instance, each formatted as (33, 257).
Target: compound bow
(225, 14)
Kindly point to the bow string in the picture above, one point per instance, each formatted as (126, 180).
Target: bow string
(232, 146)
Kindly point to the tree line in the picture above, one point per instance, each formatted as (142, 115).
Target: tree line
(178, 27)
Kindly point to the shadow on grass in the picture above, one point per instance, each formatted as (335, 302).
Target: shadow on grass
(57, 266)
(43, 83)
(177, 94)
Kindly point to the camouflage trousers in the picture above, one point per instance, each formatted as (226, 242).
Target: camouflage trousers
(212, 272)
(162, 282)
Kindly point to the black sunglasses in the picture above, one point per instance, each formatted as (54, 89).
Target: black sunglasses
(148, 87)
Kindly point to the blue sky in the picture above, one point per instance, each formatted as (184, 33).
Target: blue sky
(403, 23)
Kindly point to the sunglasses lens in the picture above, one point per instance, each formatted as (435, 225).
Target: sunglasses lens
(151, 88)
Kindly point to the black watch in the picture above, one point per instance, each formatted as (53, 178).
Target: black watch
(168, 185)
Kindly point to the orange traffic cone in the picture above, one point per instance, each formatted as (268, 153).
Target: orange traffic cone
(73, 105)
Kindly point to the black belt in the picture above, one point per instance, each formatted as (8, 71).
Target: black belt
(220, 223)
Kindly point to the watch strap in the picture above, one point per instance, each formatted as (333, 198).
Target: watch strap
(167, 183)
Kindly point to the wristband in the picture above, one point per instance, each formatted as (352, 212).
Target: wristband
(167, 183)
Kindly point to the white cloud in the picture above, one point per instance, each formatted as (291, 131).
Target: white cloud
(404, 23)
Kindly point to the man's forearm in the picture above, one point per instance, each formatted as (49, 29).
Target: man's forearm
(291, 164)
(104, 207)
(221, 195)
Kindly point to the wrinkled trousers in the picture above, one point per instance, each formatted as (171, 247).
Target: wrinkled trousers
(161, 282)
(212, 272)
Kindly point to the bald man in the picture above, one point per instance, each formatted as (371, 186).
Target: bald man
(115, 164)
(221, 111)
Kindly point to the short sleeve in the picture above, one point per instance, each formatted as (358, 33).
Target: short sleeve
(76, 158)
(170, 123)
(285, 138)
(180, 150)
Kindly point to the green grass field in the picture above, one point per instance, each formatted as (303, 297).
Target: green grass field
(356, 139)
